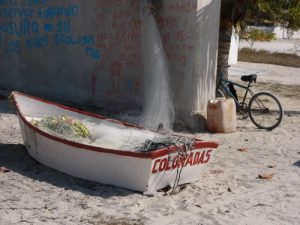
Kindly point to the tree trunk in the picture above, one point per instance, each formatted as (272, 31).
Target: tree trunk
(231, 13)
(224, 47)
(225, 33)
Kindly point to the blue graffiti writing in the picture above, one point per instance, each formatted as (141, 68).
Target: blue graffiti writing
(35, 24)
(16, 12)
(12, 47)
(24, 2)
(25, 27)
(34, 2)
(62, 26)
(61, 39)
(8, 2)
(130, 85)
(57, 12)
(94, 53)
(37, 42)
(48, 27)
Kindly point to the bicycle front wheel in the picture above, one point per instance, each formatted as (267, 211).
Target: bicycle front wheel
(265, 111)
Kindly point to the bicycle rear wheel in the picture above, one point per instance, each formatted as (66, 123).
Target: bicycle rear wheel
(265, 111)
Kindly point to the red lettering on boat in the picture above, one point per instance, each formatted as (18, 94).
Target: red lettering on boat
(193, 159)
(207, 156)
(163, 165)
(197, 155)
(189, 159)
(201, 158)
(154, 169)
(175, 163)
(182, 161)
(168, 165)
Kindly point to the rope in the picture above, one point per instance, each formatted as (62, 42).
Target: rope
(182, 153)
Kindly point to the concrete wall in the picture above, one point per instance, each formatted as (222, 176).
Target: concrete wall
(283, 33)
(90, 50)
(234, 48)
(77, 50)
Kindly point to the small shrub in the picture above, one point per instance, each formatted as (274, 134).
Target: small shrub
(254, 34)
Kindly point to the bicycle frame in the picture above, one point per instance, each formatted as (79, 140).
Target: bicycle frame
(224, 83)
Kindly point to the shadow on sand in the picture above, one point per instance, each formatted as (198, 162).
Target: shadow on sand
(16, 158)
(297, 163)
(291, 113)
(5, 107)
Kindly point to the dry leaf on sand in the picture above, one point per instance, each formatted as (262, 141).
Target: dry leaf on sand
(266, 176)
(242, 149)
(216, 171)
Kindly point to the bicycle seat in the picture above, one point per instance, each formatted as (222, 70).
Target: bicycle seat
(249, 78)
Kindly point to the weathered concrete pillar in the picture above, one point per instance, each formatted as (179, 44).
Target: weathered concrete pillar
(191, 32)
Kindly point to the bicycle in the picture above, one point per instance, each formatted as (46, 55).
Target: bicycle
(264, 109)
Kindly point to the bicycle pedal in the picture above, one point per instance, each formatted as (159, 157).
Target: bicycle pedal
(245, 117)
(242, 117)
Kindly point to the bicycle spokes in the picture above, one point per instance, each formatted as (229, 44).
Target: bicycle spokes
(265, 111)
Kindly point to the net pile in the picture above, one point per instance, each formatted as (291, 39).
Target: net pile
(64, 127)
(165, 142)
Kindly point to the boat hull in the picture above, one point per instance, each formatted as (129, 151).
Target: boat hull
(144, 172)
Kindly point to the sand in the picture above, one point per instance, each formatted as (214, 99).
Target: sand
(228, 192)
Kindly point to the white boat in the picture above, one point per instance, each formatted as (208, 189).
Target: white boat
(139, 171)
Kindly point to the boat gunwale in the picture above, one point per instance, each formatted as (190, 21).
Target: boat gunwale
(148, 155)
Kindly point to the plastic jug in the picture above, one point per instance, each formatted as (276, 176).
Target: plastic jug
(221, 115)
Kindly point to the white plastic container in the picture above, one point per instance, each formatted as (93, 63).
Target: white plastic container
(221, 115)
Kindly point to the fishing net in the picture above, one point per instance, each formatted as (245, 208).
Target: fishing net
(158, 106)
(165, 142)
(114, 134)
(111, 134)
(64, 127)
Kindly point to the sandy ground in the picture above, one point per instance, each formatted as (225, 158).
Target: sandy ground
(267, 73)
(229, 192)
